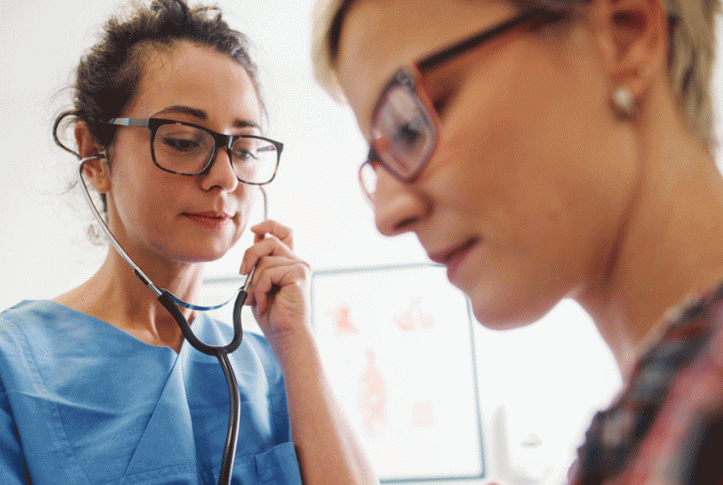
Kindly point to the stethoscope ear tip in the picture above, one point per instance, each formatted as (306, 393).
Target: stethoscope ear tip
(103, 157)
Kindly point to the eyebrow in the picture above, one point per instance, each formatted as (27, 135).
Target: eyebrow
(201, 115)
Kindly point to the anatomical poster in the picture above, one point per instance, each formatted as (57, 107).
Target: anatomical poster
(397, 345)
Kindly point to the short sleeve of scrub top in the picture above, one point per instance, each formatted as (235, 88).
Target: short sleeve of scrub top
(83, 402)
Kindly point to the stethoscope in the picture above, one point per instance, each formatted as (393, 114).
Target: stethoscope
(171, 302)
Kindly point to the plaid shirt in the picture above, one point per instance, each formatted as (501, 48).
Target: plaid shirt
(666, 427)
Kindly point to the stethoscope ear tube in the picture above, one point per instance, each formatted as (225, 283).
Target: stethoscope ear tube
(106, 230)
(168, 301)
(214, 350)
(221, 353)
(229, 450)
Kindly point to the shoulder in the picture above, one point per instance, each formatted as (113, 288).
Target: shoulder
(671, 412)
(26, 322)
(39, 323)
(259, 344)
(687, 430)
(35, 314)
(30, 309)
(46, 339)
(27, 338)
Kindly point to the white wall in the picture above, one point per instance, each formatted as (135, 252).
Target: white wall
(42, 41)
(558, 370)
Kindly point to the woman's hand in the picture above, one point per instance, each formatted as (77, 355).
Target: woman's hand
(279, 290)
(328, 450)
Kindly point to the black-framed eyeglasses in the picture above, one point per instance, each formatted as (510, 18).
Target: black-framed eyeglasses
(187, 149)
(405, 124)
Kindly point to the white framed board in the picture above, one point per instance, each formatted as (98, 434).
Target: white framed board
(397, 344)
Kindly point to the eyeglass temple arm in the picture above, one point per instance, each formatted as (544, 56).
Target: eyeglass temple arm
(128, 121)
(433, 60)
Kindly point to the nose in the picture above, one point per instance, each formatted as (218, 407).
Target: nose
(220, 173)
(398, 207)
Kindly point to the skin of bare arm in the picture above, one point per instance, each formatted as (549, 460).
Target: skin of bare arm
(326, 445)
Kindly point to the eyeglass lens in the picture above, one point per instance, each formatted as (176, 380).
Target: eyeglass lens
(189, 150)
(405, 131)
(403, 136)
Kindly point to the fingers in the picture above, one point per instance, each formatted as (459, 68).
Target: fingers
(273, 228)
(276, 264)
(276, 274)
(270, 238)
(269, 246)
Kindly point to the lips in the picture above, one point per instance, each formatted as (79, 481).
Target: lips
(453, 257)
(210, 219)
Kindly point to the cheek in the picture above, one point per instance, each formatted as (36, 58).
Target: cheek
(531, 149)
(495, 163)
(251, 208)
(143, 194)
(139, 189)
(532, 175)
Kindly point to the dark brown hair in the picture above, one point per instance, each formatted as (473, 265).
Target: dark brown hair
(108, 74)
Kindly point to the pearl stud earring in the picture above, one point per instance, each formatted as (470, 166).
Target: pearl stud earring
(623, 102)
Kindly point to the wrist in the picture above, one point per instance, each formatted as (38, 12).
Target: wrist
(294, 347)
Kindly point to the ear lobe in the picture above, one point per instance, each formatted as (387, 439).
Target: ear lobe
(635, 41)
(97, 172)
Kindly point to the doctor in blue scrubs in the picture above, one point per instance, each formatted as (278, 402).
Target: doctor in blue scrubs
(98, 384)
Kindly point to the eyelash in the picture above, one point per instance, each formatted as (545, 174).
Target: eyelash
(443, 98)
(441, 101)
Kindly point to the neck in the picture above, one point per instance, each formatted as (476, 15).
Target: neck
(670, 241)
(117, 296)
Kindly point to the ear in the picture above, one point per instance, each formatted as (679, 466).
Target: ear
(633, 36)
(97, 171)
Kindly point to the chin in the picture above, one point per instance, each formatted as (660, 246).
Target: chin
(506, 315)
(208, 258)
(205, 255)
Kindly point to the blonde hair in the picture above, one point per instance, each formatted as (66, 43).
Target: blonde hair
(323, 48)
(690, 62)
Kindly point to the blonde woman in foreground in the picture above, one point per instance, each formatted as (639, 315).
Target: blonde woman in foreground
(544, 149)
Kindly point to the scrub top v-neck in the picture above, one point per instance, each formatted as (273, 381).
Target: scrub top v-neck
(83, 402)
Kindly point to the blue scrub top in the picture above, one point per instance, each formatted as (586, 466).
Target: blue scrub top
(84, 402)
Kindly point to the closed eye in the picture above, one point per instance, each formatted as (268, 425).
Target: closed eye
(180, 144)
(244, 155)
(441, 102)
(409, 132)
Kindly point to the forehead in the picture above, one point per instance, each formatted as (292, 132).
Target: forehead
(380, 36)
(187, 74)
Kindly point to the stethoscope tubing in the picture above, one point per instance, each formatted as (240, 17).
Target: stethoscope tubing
(170, 303)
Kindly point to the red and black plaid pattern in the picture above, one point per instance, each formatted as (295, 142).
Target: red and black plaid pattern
(667, 425)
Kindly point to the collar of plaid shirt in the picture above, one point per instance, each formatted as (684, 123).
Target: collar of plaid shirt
(616, 434)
